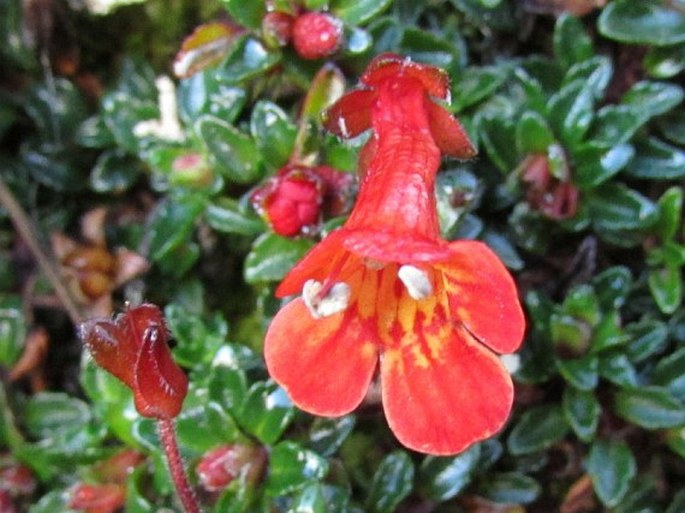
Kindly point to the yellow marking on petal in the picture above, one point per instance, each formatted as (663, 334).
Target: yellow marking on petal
(367, 298)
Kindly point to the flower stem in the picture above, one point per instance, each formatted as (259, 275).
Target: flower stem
(178, 474)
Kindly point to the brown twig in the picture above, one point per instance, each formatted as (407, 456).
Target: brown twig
(25, 229)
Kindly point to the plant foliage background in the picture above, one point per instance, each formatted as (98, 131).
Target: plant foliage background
(576, 109)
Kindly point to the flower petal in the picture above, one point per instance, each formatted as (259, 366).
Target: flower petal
(444, 395)
(387, 246)
(324, 364)
(388, 65)
(351, 114)
(482, 296)
(448, 133)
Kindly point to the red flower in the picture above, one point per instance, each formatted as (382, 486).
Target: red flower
(317, 35)
(223, 464)
(556, 198)
(293, 200)
(133, 347)
(387, 285)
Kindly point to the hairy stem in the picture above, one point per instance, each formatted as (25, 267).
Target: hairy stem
(178, 474)
(25, 229)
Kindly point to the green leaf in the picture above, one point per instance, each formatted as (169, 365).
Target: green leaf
(614, 207)
(571, 111)
(12, 330)
(273, 133)
(476, 83)
(442, 478)
(48, 414)
(665, 62)
(204, 425)
(649, 337)
(358, 12)
(392, 482)
(248, 13)
(596, 164)
(533, 134)
(122, 113)
(57, 109)
(429, 48)
(232, 152)
(510, 488)
(272, 256)
(581, 373)
(582, 410)
(650, 22)
(571, 42)
(666, 286)
(612, 467)
(115, 172)
(619, 370)
(310, 500)
(538, 429)
(670, 213)
(498, 135)
(326, 435)
(292, 467)
(595, 73)
(248, 59)
(172, 225)
(650, 407)
(653, 98)
(202, 93)
(612, 287)
(669, 374)
(227, 215)
(266, 412)
(616, 124)
(656, 160)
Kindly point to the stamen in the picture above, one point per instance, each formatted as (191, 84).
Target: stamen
(511, 362)
(416, 281)
(322, 301)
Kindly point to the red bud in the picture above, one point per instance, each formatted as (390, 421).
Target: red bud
(317, 35)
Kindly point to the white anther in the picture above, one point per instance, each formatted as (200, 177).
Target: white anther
(416, 281)
(511, 362)
(336, 299)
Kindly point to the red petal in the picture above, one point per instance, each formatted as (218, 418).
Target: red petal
(110, 348)
(442, 403)
(387, 246)
(434, 80)
(351, 114)
(482, 296)
(316, 264)
(448, 133)
(326, 364)
(161, 385)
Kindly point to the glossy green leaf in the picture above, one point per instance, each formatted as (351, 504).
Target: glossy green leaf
(427, 47)
(476, 83)
(136, 502)
(273, 256)
(326, 435)
(616, 124)
(595, 73)
(248, 13)
(490, 13)
(510, 488)
(650, 407)
(233, 153)
(653, 98)
(392, 482)
(56, 166)
(582, 411)
(292, 467)
(666, 286)
(266, 412)
(665, 62)
(204, 426)
(571, 42)
(172, 225)
(310, 500)
(669, 374)
(57, 109)
(539, 428)
(122, 113)
(50, 413)
(498, 135)
(12, 330)
(533, 134)
(656, 160)
(115, 172)
(595, 164)
(571, 111)
(248, 59)
(612, 467)
(581, 373)
(619, 370)
(442, 478)
(359, 12)
(203, 93)
(227, 215)
(670, 213)
(612, 287)
(651, 22)
(614, 207)
(273, 132)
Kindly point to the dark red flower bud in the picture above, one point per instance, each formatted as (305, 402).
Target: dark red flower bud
(317, 35)
(6, 504)
(17, 480)
(556, 198)
(277, 28)
(291, 201)
(222, 465)
(97, 498)
(118, 467)
(133, 347)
